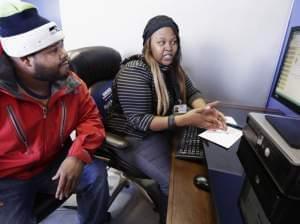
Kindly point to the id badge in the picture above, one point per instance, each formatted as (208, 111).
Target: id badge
(180, 109)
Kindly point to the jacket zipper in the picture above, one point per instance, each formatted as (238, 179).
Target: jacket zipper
(17, 125)
(62, 123)
(45, 112)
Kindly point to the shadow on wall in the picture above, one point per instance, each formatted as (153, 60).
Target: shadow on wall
(207, 74)
(225, 74)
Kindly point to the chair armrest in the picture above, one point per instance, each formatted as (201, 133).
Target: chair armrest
(115, 141)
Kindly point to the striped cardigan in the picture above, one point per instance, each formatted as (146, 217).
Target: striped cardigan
(134, 99)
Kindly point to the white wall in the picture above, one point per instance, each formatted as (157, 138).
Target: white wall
(230, 48)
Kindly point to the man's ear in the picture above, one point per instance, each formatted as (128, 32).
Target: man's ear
(24, 64)
(26, 61)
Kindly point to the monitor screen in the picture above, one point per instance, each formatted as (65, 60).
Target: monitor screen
(287, 86)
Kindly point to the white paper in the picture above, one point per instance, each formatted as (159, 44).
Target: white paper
(223, 138)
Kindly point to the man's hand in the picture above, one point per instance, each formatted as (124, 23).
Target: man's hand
(67, 175)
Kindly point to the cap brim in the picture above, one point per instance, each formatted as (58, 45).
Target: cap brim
(32, 41)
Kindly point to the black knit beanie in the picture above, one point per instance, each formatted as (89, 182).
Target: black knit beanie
(158, 22)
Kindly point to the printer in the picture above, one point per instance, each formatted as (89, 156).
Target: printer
(271, 191)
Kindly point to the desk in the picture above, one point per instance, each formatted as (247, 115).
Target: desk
(189, 205)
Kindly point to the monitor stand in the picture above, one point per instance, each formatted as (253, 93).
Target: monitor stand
(288, 128)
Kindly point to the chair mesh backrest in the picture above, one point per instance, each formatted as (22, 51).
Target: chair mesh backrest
(97, 66)
(94, 64)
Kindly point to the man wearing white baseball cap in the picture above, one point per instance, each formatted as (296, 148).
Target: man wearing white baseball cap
(41, 103)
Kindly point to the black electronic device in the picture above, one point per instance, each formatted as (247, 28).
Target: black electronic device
(286, 86)
(250, 206)
(201, 182)
(190, 145)
(274, 203)
(288, 128)
(273, 169)
(281, 161)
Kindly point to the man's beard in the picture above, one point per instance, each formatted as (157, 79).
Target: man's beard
(51, 75)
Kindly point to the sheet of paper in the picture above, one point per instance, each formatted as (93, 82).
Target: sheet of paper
(223, 138)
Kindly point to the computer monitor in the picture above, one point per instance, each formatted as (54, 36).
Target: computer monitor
(287, 90)
(287, 85)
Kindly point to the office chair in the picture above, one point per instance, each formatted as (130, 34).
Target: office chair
(97, 66)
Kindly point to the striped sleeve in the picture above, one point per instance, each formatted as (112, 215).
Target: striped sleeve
(135, 95)
(191, 92)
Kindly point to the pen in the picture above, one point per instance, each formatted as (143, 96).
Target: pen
(234, 126)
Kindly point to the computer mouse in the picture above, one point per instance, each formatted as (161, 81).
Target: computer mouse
(201, 182)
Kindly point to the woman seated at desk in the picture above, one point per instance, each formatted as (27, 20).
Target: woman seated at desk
(146, 91)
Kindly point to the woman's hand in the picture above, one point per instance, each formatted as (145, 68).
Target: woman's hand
(208, 118)
(219, 114)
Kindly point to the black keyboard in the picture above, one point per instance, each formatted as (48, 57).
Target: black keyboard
(190, 145)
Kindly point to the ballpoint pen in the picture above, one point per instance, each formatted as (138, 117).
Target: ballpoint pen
(234, 126)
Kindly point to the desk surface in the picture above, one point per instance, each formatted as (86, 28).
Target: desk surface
(188, 204)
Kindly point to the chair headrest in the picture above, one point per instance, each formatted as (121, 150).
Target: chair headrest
(94, 64)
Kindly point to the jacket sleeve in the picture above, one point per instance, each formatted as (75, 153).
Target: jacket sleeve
(90, 132)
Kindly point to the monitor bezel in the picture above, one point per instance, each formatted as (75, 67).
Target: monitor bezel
(277, 97)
